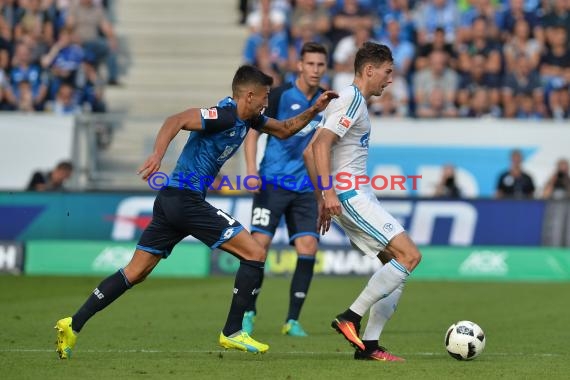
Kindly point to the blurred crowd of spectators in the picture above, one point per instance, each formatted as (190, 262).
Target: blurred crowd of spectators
(56, 55)
(466, 58)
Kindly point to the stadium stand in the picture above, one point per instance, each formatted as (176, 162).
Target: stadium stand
(176, 59)
(186, 57)
(457, 58)
(182, 58)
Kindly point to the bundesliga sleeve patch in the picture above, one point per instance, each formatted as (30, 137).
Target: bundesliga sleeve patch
(209, 113)
(343, 124)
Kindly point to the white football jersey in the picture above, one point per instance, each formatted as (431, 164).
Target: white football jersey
(347, 117)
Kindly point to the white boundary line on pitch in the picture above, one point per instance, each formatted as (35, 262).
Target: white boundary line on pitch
(150, 351)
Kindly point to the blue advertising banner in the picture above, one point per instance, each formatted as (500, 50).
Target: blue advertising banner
(123, 216)
(29, 216)
(507, 222)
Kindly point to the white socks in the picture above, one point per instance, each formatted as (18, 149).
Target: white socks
(380, 314)
(381, 285)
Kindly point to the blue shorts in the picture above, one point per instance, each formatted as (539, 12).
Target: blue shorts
(299, 209)
(178, 213)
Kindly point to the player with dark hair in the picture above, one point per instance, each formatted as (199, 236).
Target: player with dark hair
(180, 209)
(283, 158)
(341, 145)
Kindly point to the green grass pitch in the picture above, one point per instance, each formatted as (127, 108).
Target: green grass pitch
(168, 328)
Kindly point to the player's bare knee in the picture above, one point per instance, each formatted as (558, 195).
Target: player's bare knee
(140, 266)
(258, 254)
(410, 259)
(138, 279)
(254, 252)
(405, 251)
(262, 239)
(134, 276)
(414, 259)
(307, 247)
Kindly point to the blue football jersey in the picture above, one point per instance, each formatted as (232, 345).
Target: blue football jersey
(283, 158)
(207, 150)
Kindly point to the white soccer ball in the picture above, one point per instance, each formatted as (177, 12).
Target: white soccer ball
(465, 340)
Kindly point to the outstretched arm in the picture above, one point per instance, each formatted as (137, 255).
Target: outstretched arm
(189, 120)
(287, 128)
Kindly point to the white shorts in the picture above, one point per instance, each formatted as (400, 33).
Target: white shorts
(369, 227)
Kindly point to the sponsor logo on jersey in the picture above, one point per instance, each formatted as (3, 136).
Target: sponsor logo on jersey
(227, 152)
(295, 107)
(209, 113)
(364, 140)
(343, 125)
(345, 121)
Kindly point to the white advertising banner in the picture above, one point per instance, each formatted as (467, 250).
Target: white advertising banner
(29, 143)
(478, 148)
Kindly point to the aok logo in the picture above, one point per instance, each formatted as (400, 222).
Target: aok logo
(485, 262)
(419, 218)
(112, 258)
